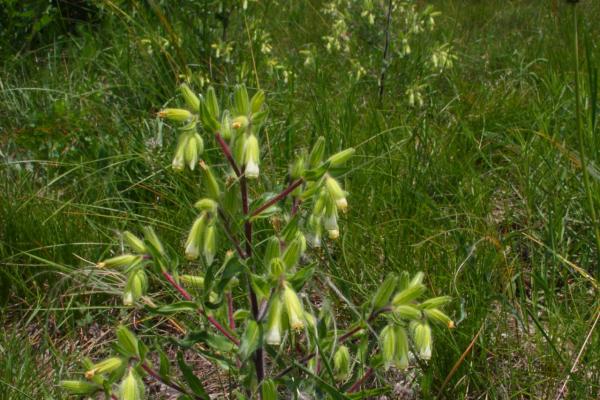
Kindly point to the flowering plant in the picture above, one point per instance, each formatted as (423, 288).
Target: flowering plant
(267, 316)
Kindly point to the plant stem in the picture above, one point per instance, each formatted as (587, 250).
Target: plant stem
(227, 152)
(230, 311)
(184, 293)
(157, 377)
(586, 178)
(341, 339)
(278, 198)
(259, 362)
(230, 236)
(360, 382)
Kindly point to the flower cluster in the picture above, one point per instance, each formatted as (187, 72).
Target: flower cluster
(272, 314)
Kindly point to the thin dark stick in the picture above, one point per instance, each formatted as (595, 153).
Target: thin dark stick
(278, 198)
(184, 293)
(386, 48)
(227, 152)
(230, 311)
(259, 362)
(230, 236)
(360, 382)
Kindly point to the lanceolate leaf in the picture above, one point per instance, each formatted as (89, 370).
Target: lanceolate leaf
(250, 340)
(192, 380)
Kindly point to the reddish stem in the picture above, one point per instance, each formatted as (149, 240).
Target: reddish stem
(341, 339)
(184, 293)
(230, 311)
(229, 233)
(361, 381)
(153, 374)
(227, 152)
(279, 197)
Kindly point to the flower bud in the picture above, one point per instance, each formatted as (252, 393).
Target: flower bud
(192, 280)
(314, 225)
(407, 312)
(385, 291)
(341, 363)
(212, 186)
(401, 348)
(409, 294)
(134, 242)
(240, 122)
(293, 307)
(192, 244)
(178, 163)
(276, 267)
(226, 125)
(340, 158)
(273, 334)
(436, 302)
(212, 104)
(421, 332)
(124, 260)
(210, 244)
(417, 279)
(336, 193)
(387, 337)
(104, 367)
(80, 387)
(316, 154)
(240, 100)
(297, 168)
(257, 101)
(175, 114)
(330, 222)
(320, 204)
(191, 152)
(151, 238)
(292, 254)
(137, 284)
(192, 101)
(131, 387)
(273, 250)
(434, 314)
(208, 205)
(251, 157)
(237, 148)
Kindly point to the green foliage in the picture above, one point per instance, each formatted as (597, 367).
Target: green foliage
(277, 320)
(481, 188)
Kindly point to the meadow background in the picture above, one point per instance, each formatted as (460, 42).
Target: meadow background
(482, 187)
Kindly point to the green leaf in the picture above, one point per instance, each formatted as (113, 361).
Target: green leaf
(301, 277)
(169, 309)
(370, 393)
(192, 380)
(385, 291)
(215, 342)
(127, 341)
(165, 365)
(269, 390)
(326, 387)
(251, 340)
(316, 173)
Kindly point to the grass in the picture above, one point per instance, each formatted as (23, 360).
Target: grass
(482, 188)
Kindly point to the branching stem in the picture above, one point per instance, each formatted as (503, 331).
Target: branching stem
(184, 293)
(279, 197)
